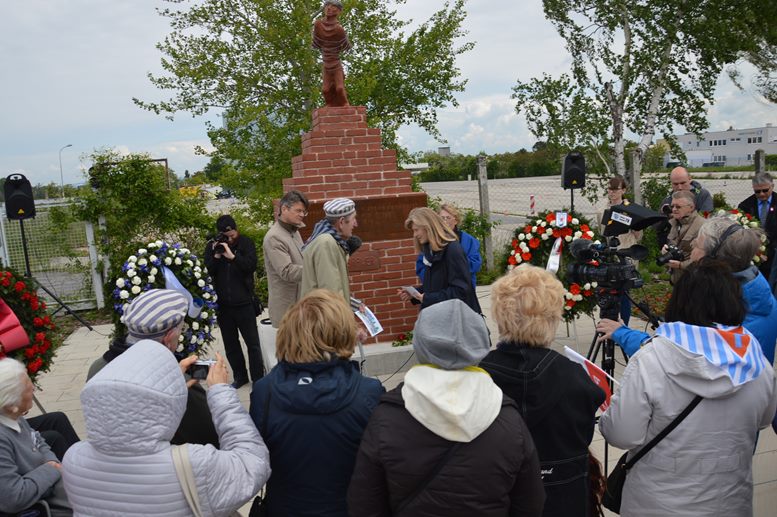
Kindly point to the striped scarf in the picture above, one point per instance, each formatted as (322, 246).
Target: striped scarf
(322, 227)
(732, 349)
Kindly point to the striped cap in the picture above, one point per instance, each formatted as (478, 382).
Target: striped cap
(339, 207)
(154, 312)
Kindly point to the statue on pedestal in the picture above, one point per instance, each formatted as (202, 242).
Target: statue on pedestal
(330, 37)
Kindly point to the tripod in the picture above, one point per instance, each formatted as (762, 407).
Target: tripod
(28, 274)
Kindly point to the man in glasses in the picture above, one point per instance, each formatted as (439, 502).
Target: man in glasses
(684, 227)
(681, 181)
(763, 206)
(283, 255)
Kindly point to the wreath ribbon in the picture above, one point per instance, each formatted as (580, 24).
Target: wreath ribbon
(172, 282)
(12, 334)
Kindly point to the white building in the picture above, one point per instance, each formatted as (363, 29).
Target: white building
(730, 147)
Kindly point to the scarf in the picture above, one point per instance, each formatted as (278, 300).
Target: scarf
(322, 227)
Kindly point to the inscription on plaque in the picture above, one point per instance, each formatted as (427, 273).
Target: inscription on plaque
(364, 261)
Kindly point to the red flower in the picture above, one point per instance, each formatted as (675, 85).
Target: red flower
(569, 218)
(46, 320)
(40, 336)
(584, 228)
(556, 234)
(401, 337)
(550, 217)
(514, 243)
(37, 322)
(570, 303)
(527, 229)
(29, 352)
(35, 365)
(511, 260)
(34, 304)
(7, 274)
(5, 282)
(587, 292)
(586, 237)
(526, 256)
(749, 217)
(567, 232)
(733, 210)
(534, 243)
(19, 286)
(574, 289)
(43, 307)
(45, 346)
(26, 295)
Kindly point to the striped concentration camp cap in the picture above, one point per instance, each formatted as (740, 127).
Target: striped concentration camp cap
(339, 207)
(155, 312)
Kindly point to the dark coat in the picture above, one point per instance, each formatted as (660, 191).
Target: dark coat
(558, 401)
(448, 277)
(496, 474)
(750, 206)
(233, 279)
(315, 419)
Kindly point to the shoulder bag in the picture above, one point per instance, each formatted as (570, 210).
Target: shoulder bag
(183, 469)
(617, 478)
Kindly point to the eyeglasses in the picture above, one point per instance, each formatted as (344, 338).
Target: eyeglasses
(678, 207)
(761, 190)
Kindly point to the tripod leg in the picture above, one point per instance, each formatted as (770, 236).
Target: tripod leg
(63, 305)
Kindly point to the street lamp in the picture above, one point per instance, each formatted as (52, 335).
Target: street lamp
(61, 176)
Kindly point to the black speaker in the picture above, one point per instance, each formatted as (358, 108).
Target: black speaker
(573, 171)
(19, 203)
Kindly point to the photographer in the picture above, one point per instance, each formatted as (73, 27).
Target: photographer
(681, 181)
(231, 261)
(684, 226)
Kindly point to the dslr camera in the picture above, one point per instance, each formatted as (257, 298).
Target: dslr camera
(221, 237)
(672, 253)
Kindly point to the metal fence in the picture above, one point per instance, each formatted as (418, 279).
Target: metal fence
(513, 201)
(60, 258)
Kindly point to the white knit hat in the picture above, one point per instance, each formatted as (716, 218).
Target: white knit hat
(339, 207)
(155, 312)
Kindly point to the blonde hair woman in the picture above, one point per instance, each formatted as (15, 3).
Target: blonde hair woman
(556, 398)
(312, 408)
(446, 272)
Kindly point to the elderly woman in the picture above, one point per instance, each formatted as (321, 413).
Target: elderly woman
(704, 465)
(29, 470)
(556, 398)
(446, 273)
(312, 408)
(127, 467)
(451, 216)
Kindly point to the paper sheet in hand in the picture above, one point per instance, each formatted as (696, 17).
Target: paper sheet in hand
(412, 291)
(370, 321)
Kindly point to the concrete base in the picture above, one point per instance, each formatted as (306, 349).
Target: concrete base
(383, 359)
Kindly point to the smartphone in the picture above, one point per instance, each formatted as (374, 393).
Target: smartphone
(199, 370)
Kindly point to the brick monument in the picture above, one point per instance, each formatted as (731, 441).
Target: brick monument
(342, 157)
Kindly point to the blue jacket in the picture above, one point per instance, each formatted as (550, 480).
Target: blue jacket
(471, 247)
(316, 416)
(760, 319)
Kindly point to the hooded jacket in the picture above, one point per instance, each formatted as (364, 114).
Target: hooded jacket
(493, 470)
(132, 408)
(558, 402)
(704, 466)
(315, 417)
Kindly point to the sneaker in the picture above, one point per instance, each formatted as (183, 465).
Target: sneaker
(239, 383)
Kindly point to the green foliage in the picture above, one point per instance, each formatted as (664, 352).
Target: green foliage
(133, 198)
(521, 164)
(655, 189)
(719, 201)
(404, 339)
(771, 161)
(253, 59)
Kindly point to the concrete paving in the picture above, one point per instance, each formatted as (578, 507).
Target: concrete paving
(60, 389)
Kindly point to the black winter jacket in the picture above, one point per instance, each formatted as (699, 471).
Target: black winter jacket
(233, 279)
(496, 474)
(448, 277)
(558, 402)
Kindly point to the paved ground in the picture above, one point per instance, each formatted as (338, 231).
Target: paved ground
(61, 387)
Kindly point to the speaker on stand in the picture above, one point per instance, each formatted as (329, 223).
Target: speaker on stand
(20, 205)
(573, 174)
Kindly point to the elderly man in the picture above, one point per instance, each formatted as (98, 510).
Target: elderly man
(681, 181)
(725, 240)
(684, 226)
(763, 205)
(231, 261)
(283, 255)
(158, 315)
(325, 254)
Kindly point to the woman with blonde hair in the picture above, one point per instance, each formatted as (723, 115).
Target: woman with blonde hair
(557, 399)
(446, 272)
(312, 408)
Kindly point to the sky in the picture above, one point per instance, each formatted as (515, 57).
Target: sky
(72, 68)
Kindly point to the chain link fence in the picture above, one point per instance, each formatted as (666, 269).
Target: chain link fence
(59, 256)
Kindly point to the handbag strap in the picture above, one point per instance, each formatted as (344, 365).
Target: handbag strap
(660, 436)
(183, 469)
(440, 464)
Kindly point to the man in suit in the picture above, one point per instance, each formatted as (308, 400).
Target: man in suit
(763, 205)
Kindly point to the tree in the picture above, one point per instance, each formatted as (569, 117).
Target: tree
(253, 59)
(646, 65)
(762, 54)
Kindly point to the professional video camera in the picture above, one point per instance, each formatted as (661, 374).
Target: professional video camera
(672, 253)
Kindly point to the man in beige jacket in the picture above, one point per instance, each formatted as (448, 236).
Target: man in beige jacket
(283, 256)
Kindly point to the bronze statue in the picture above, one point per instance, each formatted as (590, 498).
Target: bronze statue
(330, 37)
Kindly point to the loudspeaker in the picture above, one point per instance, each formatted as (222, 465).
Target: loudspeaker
(573, 171)
(19, 203)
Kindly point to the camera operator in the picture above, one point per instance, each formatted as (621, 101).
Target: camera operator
(684, 226)
(725, 240)
(231, 261)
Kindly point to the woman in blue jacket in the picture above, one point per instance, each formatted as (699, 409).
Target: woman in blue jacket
(451, 216)
(312, 408)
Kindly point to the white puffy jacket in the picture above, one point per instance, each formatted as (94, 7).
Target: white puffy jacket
(132, 408)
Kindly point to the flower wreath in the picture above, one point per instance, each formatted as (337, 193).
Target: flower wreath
(748, 221)
(19, 295)
(145, 270)
(533, 243)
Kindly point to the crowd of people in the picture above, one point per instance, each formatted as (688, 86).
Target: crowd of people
(474, 429)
